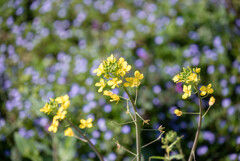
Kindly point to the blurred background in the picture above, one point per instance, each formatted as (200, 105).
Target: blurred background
(50, 48)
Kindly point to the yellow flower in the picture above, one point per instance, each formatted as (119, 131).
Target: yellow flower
(100, 70)
(54, 126)
(111, 59)
(107, 93)
(86, 123)
(64, 100)
(115, 98)
(101, 84)
(131, 82)
(187, 91)
(138, 75)
(68, 132)
(178, 112)
(61, 113)
(206, 90)
(211, 101)
(123, 67)
(46, 109)
(197, 70)
(176, 78)
(193, 77)
(134, 81)
(114, 82)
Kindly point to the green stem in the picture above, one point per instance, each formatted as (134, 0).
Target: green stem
(206, 111)
(137, 124)
(199, 126)
(86, 138)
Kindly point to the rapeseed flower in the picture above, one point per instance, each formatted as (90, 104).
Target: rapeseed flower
(178, 112)
(86, 123)
(101, 84)
(187, 91)
(69, 132)
(206, 90)
(211, 101)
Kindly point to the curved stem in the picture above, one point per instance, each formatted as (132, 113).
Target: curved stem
(199, 126)
(87, 139)
(137, 124)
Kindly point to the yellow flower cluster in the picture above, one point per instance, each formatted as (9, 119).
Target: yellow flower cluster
(59, 108)
(188, 75)
(114, 73)
(86, 123)
(192, 77)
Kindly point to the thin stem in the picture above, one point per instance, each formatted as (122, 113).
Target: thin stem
(149, 129)
(124, 123)
(80, 138)
(136, 96)
(190, 113)
(137, 125)
(159, 137)
(86, 138)
(54, 147)
(130, 112)
(199, 127)
(206, 111)
(125, 149)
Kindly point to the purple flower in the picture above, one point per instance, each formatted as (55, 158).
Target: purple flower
(126, 129)
(202, 150)
(226, 102)
(209, 136)
(157, 89)
(108, 135)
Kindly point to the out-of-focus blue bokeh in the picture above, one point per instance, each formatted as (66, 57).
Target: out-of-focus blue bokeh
(50, 48)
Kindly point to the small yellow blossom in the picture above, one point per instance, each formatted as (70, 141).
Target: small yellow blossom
(138, 75)
(100, 70)
(197, 70)
(101, 84)
(61, 113)
(68, 132)
(86, 123)
(54, 126)
(64, 100)
(206, 90)
(134, 81)
(187, 91)
(178, 112)
(111, 59)
(211, 101)
(114, 82)
(107, 93)
(130, 82)
(193, 77)
(115, 98)
(46, 109)
(176, 78)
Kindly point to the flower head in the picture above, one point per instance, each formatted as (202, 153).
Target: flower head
(188, 75)
(68, 132)
(86, 123)
(178, 112)
(211, 101)
(115, 97)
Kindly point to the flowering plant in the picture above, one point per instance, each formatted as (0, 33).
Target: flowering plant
(113, 74)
